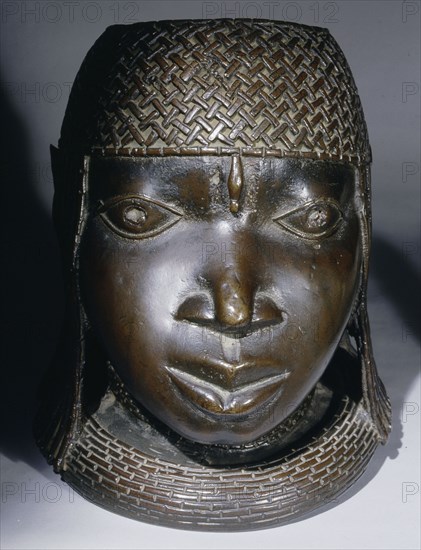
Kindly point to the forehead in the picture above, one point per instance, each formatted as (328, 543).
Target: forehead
(200, 182)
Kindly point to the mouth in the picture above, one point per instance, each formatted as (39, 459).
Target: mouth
(239, 398)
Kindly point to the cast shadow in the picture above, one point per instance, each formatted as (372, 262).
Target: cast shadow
(30, 284)
(398, 279)
(392, 273)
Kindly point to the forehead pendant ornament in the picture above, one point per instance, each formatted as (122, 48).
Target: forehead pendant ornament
(235, 183)
(212, 203)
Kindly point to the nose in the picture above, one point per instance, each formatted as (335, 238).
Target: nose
(232, 307)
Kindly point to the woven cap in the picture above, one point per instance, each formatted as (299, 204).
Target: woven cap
(252, 87)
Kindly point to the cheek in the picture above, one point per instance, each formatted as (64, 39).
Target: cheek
(317, 287)
(122, 289)
(324, 287)
(121, 274)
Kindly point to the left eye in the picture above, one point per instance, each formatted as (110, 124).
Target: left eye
(137, 218)
(314, 220)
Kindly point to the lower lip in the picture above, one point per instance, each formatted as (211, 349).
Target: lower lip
(215, 400)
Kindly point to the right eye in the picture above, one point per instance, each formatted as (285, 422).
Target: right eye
(314, 220)
(136, 217)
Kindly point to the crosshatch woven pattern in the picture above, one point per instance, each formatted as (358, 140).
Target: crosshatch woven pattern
(217, 87)
(130, 482)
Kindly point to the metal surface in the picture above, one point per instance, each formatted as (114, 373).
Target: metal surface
(213, 207)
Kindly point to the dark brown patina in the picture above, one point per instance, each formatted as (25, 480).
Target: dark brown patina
(212, 204)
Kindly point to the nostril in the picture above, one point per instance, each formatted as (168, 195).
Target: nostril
(267, 312)
(197, 309)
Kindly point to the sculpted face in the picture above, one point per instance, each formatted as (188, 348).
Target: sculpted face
(220, 288)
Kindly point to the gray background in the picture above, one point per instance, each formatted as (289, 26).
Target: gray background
(41, 51)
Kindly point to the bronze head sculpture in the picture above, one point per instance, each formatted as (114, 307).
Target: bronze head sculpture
(213, 208)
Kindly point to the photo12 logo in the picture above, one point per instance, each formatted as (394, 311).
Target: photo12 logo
(38, 92)
(37, 492)
(313, 12)
(70, 12)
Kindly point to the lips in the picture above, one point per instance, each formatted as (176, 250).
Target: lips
(235, 391)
